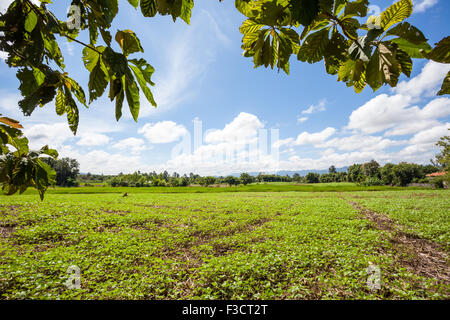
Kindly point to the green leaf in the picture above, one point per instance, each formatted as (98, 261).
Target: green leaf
(304, 11)
(117, 63)
(142, 80)
(106, 36)
(134, 3)
(148, 8)
(245, 7)
(335, 53)
(250, 26)
(128, 42)
(383, 67)
(71, 110)
(356, 8)
(132, 95)
(119, 102)
(353, 73)
(186, 9)
(405, 62)
(445, 88)
(60, 102)
(413, 50)
(313, 48)
(76, 89)
(266, 52)
(396, 13)
(31, 21)
(441, 52)
(145, 68)
(408, 32)
(90, 57)
(98, 81)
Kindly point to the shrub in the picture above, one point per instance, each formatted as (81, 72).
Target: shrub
(372, 182)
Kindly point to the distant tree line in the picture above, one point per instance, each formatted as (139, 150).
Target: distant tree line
(368, 174)
(66, 169)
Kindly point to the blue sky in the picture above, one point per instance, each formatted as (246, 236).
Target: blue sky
(251, 119)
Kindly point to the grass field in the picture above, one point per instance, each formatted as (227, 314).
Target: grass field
(226, 245)
(255, 187)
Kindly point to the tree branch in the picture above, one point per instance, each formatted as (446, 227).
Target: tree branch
(62, 33)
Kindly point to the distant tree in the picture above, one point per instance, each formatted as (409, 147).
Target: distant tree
(387, 173)
(165, 176)
(371, 169)
(405, 173)
(355, 173)
(296, 177)
(332, 169)
(246, 178)
(207, 181)
(443, 157)
(184, 181)
(312, 177)
(174, 182)
(66, 169)
(232, 181)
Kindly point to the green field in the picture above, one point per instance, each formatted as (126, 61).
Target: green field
(255, 187)
(212, 244)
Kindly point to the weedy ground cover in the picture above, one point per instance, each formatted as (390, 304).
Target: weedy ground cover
(246, 245)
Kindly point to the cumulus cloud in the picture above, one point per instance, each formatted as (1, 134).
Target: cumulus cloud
(53, 135)
(93, 139)
(134, 145)
(162, 132)
(362, 143)
(243, 128)
(314, 138)
(423, 5)
(100, 161)
(316, 107)
(396, 113)
(426, 83)
(430, 136)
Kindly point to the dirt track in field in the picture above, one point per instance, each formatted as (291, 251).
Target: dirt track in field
(420, 256)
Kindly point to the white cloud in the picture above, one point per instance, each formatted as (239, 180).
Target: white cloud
(3, 55)
(243, 128)
(93, 139)
(361, 143)
(284, 142)
(423, 5)
(427, 82)
(314, 138)
(53, 135)
(396, 113)
(302, 119)
(316, 108)
(99, 161)
(429, 137)
(162, 132)
(134, 145)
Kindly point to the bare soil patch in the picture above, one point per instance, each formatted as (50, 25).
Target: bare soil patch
(420, 256)
(5, 231)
